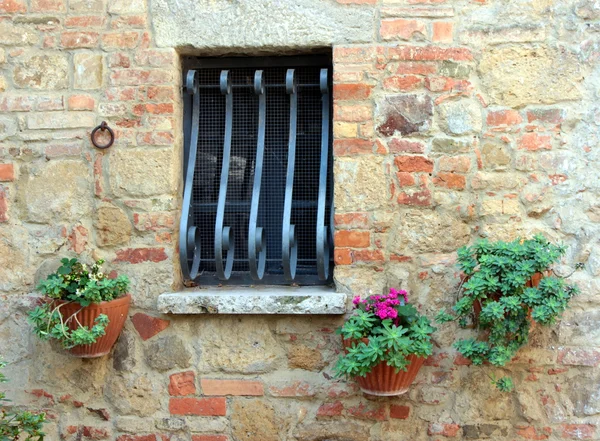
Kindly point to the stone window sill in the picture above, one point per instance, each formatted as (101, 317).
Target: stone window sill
(254, 300)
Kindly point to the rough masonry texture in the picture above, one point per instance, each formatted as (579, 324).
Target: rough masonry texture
(453, 120)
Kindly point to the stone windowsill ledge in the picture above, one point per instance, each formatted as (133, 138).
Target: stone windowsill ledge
(254, 300)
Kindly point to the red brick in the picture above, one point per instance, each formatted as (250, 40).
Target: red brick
(198, 406)
(48, 5)
(579, 357)
(120, 40)
(50, 103)
(155, 138)
(397, 145)
(391, 29)
(354, 146)
(210, 438)
(416, 68)
(148, 326)
(74, 40)
(461, 164)
(94, 432)
(353, 54)
(442, 32)
(578, 431)
(460, 360)
(531, 432)
(367, 412)
(138, 255)
(533, 142)
(504, 118)
(129, 21)
(435, 359)
(402, 82)
(85, 21)
(430, 53)
(137, 438)
(294, 390)
(182, 383)
(119, 60)
(120, 93)
(413, 164)
(153, 221)
(16, 104)
(12, 6)
(443, 429)
(157, 109)
(351, 113)
(418, 198)
(552, 116)
(7, 172)
(78, 239)
(355, 91)
(399, 258)
(352, 239)
(341, 256)
(556, 371)
(351, 220)
(161, 93)
(231, 387)
(81, 102)
(368, 256)
(399, 412)
(405, 179)
(450, 180)
(136, 77)
(330, 409)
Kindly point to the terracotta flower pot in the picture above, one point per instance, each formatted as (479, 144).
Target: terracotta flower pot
(383, 380)
(116, 310)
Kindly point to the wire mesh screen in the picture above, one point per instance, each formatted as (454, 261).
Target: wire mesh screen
(240, 180)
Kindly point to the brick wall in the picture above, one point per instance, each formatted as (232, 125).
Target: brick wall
(454, 120)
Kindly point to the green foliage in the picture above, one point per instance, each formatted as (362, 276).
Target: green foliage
(18, 425)
(497, 275)
(390, 336)
(74, 282)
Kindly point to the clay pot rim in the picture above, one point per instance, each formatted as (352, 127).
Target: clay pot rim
(124, 299)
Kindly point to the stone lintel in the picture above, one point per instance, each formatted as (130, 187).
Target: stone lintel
(254, 300)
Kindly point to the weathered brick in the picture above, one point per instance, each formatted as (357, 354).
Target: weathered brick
(48, 6)
(367, 412)
(504, 118)
(3, 205)
(85, 21)
(210, 438)
(351, 220)
(352, 239)
(296, 389)
(136, 438)
(129, 22)
(343, 147)
(534, 141)
(352, 113)
(81, 102)
(417, 198)
(357, 2)
(136, 77)
(403, 82)
(79, 40)
(345, 130)
(182, 383)
(401, 29)
(537, 434)
(139, 255)
(7, 172)
(405, 179)
(399, 412)
(578, 431)
(430, 53)
(460, 164)
(368, 256)
(416, 68)
(120, 40)
(551, 116)
(424, 11)
(413, 164)
(12, 6)
(450, 180)
(330, 409)
(442, 32)
(357, 91)
(443, 429)
(399, 145)
(198, 406)
(579, 357)
(148, 326)
(353, 54)
(231, 387)
(341, 256)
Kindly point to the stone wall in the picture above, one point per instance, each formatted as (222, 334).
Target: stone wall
(453, 120)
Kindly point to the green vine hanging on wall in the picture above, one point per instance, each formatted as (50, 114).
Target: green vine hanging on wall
(499, 282)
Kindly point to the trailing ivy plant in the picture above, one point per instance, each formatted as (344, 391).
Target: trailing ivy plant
(18, 425)
(74, 282)
(394, 330)
(496, 282)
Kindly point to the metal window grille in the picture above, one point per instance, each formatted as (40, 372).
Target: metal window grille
(257, 205)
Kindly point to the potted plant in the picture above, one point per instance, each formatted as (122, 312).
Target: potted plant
(83, 308)
(385, 343)
(18, 425)
(506, 287)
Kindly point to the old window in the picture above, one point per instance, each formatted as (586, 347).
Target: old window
(257, 204)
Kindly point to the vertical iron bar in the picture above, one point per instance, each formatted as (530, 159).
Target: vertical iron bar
(257, 248)
(322, 233)
(224, 235)
(189, 235)
(289, 245)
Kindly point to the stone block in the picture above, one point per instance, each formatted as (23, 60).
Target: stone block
(47, 71)
(360, 183)
(254, 420)
(12, 35)
(88, 70)
(167, 353)
(112, 226)
(404, 114)
(143, 173)
(460, 117)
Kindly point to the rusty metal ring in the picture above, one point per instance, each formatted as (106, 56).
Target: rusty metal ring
(103, 126)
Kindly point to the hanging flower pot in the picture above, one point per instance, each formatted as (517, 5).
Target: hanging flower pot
(385, 344)
(83, 309)
(384, 380)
